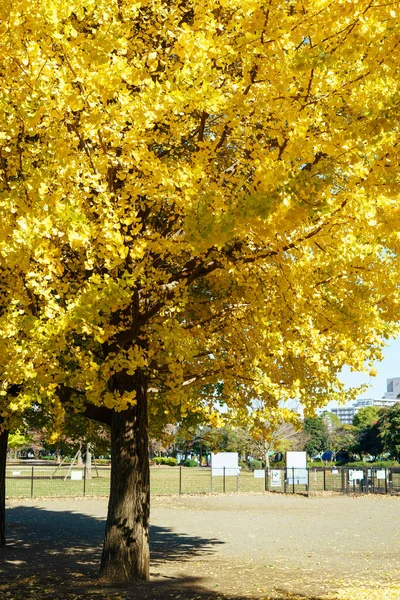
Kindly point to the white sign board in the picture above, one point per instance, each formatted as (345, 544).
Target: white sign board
(225, 463)
(297, 476)
(356, 475)
(16, 472)
(381, 474)
(335, 472)
(259, 473)
(276, 478)
(296, 460)
(296, 468)
(76, 475)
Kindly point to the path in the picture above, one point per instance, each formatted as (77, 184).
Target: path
(211, 547)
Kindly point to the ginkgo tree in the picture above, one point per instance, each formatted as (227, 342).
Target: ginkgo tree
(199, 205)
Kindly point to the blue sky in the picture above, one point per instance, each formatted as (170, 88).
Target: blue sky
(388, 367)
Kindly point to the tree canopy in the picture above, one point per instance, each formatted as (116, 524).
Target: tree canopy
(318, 435)
(389, 431)
(366, 417)
(198, 203)
(197, 192)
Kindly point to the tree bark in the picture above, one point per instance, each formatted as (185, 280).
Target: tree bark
(79, 461)
(126, 554)
(267, 463)
(3, 459)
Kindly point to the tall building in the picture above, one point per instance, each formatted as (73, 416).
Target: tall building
(345, 414)
(392, 388)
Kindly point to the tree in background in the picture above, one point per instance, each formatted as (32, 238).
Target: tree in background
(367, 431)
(369, 441)
(17, 441)
(317, 432)
(282, 438)
(341, 438)
(204, 440)
(273, 431)
(198, 205)
(389, 431)
(366, 417)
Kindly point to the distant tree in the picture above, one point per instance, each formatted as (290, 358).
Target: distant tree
(366, 417)
(318, 435)
(279, 437)
(369, 440)
(18, 440)
(340, 437)
(367, 431)
(389, 431)
(79, 433)
(331, 420)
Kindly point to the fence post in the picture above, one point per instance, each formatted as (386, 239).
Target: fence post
(224, 481)
(293, 480)
(180, 480)
(386, 483)
(84, 480)
(284, 480)
(342, 472)
(211, 482)
(324, 479)
(308, 481)
(266, 480)
(390, 482)
(32, 482)
(366, 486)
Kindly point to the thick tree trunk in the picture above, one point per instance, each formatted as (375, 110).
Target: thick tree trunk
(3, 459)
(126, 554)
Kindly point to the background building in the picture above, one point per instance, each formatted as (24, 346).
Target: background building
(347, 413)
(392, 388)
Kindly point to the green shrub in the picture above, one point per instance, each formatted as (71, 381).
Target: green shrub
(190, 463)
(254, 464)
(168, 461)
(277, 464)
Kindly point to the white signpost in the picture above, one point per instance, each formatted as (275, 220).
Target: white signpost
(356, 475)
(259, 473)
(296, 468)
(76, 475)
(225, 463)
(276, 478)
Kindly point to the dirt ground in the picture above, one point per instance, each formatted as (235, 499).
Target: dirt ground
(209, 548)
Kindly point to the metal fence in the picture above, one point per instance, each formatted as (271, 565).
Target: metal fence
(345, 480)
(24, 481)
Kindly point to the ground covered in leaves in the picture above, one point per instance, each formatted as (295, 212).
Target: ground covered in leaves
(235, 547)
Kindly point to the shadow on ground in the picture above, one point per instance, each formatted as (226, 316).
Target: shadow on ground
(54, 555)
